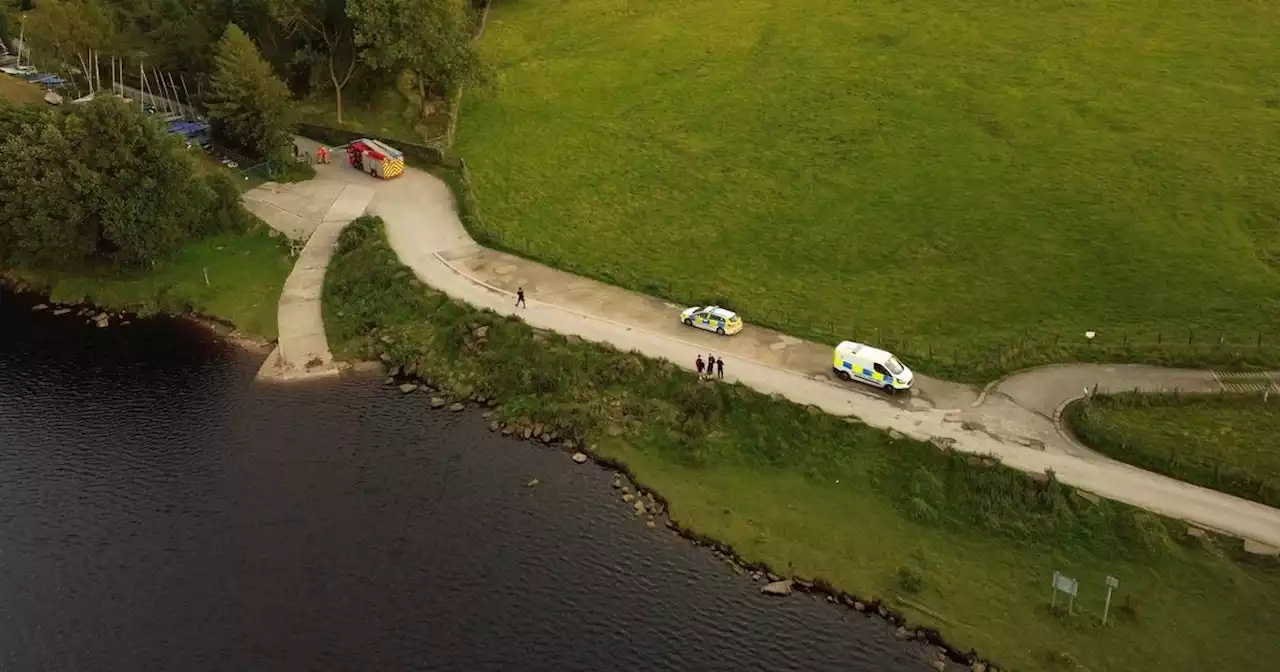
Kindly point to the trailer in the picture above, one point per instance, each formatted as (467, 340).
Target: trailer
(377, 159)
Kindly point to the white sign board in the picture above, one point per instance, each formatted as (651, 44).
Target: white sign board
(1065, 584)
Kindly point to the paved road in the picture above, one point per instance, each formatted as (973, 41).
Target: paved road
(1015, 420)
(314, 212)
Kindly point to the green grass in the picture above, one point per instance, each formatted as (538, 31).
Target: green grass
(1226, 442)
(20, 92)
(389, 112)
(968, 181)
(246, 272)
(816, 496)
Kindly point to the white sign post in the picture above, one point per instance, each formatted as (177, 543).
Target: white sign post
(1065, 584)
(1112, 584)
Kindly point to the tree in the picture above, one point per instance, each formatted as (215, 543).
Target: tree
(102, 183)
(250, 105)
(429, 38)
(66, 29)
(328, 33)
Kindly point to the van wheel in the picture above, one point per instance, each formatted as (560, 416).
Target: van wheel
(844, 375)
(689, 322)
(720, 330)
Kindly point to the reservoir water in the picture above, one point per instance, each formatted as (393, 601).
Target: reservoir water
(161, 511)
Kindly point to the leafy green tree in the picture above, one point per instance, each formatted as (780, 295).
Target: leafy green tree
(250, 106)
(67, 29)
(327, 34)
(429, 38)
(102, 183)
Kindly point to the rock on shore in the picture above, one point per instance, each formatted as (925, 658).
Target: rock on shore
(781, 588)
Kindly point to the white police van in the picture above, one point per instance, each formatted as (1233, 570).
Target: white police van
(873, 366)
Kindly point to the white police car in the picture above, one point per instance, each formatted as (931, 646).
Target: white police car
(712, 318)
(873, 366)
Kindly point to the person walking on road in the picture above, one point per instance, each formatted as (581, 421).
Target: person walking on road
(711, 365)
(520, 298)
(700, 365)
(720, 368)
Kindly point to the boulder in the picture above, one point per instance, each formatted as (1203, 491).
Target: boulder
(39, 307)
(979, 666)
(617, 482)
(1256, 548)
(650, 524)
(436, 402)
(61, 311)
(480, 332)
(773, 577)
(579, 457)
(896, 435)
(545, 438)
(1195, 532)
(494, 425)
(406, 388)
(942, 442)
(389, 381)
(528, 432)
(638, 506)
(903, 634)
(628, 498)
(531, 483)
(859, 606)
(939, 666)
(626, 489)
(781, 588)
(456, 406)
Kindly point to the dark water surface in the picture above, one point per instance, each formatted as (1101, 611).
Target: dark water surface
(159, 511)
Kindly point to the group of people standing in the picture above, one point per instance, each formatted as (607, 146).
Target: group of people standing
(711, 368)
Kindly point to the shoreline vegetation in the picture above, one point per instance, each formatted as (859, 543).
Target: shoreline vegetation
(245, 274)
(953, 543)
(1226, 442)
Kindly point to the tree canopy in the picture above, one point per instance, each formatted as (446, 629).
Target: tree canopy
(250, 105)
(102, 183)
(429, 38)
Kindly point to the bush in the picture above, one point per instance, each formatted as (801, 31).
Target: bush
(909, 579)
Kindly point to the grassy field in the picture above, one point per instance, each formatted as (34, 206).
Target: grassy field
(392, 112)
(962, 175)
(246, 272)
(20, 92)
(816, 496)
(1227, 443)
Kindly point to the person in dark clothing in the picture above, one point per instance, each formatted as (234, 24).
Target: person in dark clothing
(720, 368)
(700, 365)
(520, 298)
(711, 365)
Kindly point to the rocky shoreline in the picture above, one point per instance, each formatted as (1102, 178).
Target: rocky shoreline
(653, 508)
(99, 317)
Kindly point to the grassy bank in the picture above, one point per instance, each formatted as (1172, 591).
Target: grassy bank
(1226, 442)
(391, 111)
(245, 273)
(20, 92)
(970, 549)
(915, 177)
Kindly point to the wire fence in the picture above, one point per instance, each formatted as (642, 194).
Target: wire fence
(956, 357)
(1259, 481)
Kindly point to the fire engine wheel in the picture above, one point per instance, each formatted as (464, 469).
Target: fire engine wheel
(844, 375)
